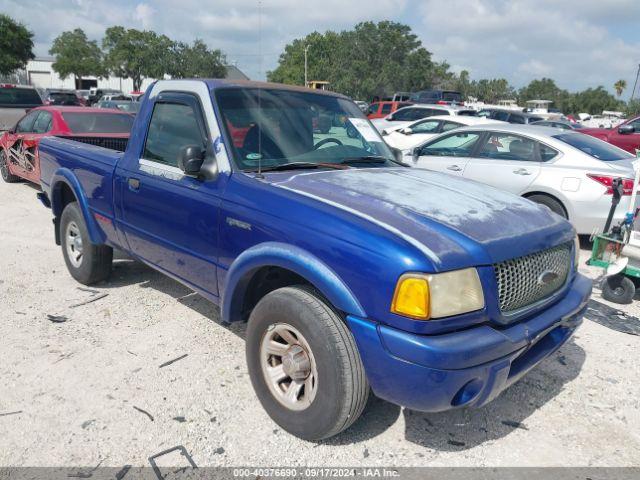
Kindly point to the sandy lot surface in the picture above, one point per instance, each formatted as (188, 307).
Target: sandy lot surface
(90, 390)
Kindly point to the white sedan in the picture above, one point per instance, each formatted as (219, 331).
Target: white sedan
(406, 115)
(416, 133)
(569, 172)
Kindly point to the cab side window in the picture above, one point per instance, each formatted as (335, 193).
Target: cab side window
(172, 127)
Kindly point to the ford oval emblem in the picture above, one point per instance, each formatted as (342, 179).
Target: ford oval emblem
(547, 277)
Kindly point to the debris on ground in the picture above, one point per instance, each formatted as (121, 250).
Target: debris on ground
(180, 419)
(10, 413)
(166, 364)
(57, 318)
(90, 300)
(145, 412)
(456, 443)
(514, 424)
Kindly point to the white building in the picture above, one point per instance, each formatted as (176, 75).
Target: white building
(40, 74)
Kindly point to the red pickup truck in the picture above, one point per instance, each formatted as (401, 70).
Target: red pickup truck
(625, 136)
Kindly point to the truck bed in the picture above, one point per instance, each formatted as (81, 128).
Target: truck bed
(91, 165)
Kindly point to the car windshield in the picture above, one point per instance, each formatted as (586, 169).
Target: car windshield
(19, 97)
(98, 122)
(278, 129)
(592, 146)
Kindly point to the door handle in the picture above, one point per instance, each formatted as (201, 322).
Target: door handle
(134, 184)
(522, 171)
(454, 168)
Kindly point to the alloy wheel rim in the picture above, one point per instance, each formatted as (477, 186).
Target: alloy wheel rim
(288, 366)
(73, 242)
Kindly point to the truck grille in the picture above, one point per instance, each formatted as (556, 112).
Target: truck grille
(526, 280)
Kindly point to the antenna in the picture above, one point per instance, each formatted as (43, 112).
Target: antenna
(633, 92)
(259, 175)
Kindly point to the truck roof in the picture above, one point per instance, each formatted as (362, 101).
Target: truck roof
(218, 83)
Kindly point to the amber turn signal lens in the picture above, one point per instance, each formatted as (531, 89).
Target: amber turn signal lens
(411, 298)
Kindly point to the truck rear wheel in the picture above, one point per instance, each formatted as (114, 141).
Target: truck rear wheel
(87, 263)
(4, 169)
(304, 364)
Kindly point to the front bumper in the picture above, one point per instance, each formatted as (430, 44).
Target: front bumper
(465, 368)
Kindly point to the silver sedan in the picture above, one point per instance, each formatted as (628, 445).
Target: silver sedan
(569, 172)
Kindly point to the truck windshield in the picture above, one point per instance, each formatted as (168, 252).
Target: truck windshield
(596, 148)
(98, 122)
(278, 128)
(19, 97)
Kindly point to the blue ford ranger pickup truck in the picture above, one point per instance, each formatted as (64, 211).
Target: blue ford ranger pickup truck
(354, 272)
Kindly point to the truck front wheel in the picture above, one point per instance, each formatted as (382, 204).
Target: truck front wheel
(304, 364)
(87, 263)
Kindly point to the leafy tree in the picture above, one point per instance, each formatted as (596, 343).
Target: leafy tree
(196, 61)
(76, 55)
(595, 100)
(16, 45)
(136, 54)
(491, 90)
(633, 108)
(371, 59)
(620, 87)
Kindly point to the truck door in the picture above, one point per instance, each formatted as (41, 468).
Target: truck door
(171, 220)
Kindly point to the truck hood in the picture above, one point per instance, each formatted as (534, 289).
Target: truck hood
(455, 222)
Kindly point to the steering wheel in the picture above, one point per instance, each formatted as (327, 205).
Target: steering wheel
(326, 140)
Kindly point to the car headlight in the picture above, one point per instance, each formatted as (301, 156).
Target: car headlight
(425, 296)
(576, 252)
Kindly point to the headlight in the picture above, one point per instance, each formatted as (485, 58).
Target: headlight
(424, 296)
(576, 252)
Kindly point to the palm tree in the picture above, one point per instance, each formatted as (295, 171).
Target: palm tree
(620, 86)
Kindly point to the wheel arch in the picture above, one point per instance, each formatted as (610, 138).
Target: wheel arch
(271, 265)
(65, 188)
(552, 197)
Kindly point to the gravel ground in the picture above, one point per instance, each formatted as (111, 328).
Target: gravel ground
(90, 390)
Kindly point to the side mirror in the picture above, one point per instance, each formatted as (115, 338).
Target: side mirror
(626, 129)
(415, 154)
(190, 159)
(406, 131)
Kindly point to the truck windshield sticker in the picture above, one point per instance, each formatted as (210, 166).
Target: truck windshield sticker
(253, 156)
(365, 129)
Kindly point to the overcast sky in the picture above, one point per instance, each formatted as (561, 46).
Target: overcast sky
(579, 43)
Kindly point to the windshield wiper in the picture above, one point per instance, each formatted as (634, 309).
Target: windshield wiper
(297, 165)
(364, 159)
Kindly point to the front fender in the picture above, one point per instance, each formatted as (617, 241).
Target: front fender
(62, 177)
(295, 259)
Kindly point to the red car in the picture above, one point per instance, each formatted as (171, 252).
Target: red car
(382, 109)
(96, 126)
(625, 136)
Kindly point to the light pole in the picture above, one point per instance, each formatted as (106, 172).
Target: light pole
(306, 80)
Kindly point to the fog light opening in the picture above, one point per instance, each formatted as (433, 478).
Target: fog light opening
(467, 393)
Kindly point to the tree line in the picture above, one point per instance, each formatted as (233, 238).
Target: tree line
(379, 59)
(126, 53)
(372, 59)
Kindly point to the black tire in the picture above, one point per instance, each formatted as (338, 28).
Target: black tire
(618, 289)
(551, 203)
(95, 262)
(4, 169)
(342, 388)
